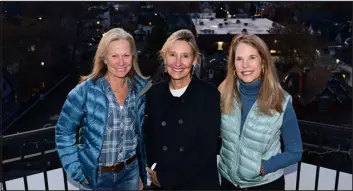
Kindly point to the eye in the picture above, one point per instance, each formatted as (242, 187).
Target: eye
(186, 56)
(171, 54)
(252, 57)
(238, 59)
(127, 55)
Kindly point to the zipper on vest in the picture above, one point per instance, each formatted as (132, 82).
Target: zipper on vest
(241, 132)
(238, 155)
(235, 172)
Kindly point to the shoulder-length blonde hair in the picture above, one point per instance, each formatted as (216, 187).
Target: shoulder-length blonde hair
(184, 35)
(270, 96)
(99, 68)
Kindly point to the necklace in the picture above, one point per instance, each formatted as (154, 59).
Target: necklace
(116, 91)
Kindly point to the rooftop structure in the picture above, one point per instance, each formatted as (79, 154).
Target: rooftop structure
(232, 26)
(203, 15)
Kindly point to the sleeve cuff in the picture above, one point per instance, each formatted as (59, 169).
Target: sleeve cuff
(265, 166)
(82, 179)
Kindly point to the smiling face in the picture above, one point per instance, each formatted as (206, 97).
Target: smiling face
(119, 58)
(247, 63)
(179, 59)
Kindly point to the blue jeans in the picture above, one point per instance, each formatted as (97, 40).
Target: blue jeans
(127, 179)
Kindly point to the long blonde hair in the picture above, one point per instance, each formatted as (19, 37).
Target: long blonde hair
(270, 96)
(99, 68)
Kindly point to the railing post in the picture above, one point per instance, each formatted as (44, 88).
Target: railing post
(3, 184)
(45, 165)
(25, 166)
(338, 172)
(318, 164)
(317, 174)
(65, 179)
(337, 179)
(298, 175)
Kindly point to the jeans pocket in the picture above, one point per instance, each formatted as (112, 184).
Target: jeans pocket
(132, 165)
(130, 177)
(105, 180)
(132, 171)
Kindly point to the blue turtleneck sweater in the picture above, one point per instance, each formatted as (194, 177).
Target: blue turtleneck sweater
(290, 132)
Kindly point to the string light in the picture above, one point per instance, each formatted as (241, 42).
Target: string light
(349, 152)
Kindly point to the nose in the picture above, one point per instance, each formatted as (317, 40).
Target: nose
(245, 63)
(178, 61)
(120, 61)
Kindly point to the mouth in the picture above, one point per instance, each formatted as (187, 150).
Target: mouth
(246, 73)
(120, 69)
(177, 69)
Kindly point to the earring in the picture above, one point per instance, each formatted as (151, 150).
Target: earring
(193, 69)
(235, 73)
(165, 67)
(105, 61)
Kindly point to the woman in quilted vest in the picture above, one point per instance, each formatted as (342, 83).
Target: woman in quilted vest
(256, 114)
(107, 108)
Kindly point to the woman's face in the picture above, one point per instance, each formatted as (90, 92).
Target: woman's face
(247, 63)
(119, 58)
(179, 59)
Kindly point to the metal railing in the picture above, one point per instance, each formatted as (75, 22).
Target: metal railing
(29, 153)
(324, 145)
(37, 153)
(35, 103)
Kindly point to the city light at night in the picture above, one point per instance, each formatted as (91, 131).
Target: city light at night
(54, 93)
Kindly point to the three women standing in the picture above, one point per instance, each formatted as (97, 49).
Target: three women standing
(184, 116)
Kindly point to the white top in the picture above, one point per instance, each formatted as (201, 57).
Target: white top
(178, 92)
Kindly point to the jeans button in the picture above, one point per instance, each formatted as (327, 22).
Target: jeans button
(164, 123)
(181, 149)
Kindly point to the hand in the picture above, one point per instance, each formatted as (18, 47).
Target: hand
(141, 185)
(262, 171)
(153, 176)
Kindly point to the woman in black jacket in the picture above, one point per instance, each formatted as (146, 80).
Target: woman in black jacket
(183, 121)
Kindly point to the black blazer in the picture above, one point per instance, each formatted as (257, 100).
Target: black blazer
(181, 135)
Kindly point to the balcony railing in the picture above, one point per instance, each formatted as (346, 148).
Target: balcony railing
(327, 148)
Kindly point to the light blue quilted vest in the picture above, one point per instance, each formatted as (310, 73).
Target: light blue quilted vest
(242, 152)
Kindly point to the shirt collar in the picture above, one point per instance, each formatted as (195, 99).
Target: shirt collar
(107, 87)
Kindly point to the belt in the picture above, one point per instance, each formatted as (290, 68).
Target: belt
(117, 167)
